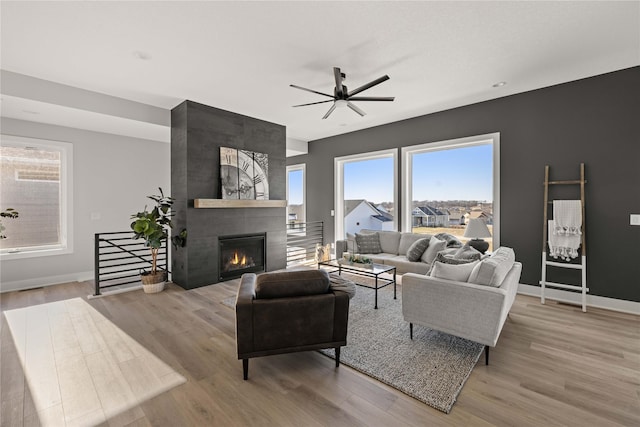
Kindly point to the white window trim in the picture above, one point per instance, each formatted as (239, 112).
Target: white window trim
(407, 173)
(338, 167)
(66, 200)
(302, 167)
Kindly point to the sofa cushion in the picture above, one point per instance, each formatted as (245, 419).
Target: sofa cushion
(408, 239)
(492, 271)
(403, 265)
(351, 243)
(449, 259)
(368, 243)
(435, 246)
(455, 272)
(293, 283)
(389, 241)
(416, 250)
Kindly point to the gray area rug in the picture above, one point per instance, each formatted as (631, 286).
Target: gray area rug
(432, 367)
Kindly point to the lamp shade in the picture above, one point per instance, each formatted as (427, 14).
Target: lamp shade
(477, 229)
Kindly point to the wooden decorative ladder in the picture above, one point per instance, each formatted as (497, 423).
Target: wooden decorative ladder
(583, 248)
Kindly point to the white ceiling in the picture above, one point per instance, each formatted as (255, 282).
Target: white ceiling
(242, 56)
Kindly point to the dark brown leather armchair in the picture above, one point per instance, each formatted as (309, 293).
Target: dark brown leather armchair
(289, 311)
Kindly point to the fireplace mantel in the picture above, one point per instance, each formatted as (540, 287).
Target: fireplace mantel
(231, 203)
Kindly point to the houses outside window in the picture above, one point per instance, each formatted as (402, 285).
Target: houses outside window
(36, 182)
(365, 193)
(447, 183)
(296, 200)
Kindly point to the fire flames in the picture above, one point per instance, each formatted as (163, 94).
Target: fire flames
(237, 260)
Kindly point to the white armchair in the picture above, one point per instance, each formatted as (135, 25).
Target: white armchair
(476, 312)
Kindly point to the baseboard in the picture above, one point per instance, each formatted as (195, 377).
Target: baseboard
(620, 305)
(38, 282)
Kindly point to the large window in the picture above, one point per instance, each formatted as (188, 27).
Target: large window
(365, 192)
(36, 180)
(296, 201)
(448, 183)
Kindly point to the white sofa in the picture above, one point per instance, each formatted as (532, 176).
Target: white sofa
(474, 311)
(394, 246)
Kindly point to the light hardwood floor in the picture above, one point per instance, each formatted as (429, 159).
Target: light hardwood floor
(553, 365)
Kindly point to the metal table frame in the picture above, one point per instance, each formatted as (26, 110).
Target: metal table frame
(374, 272)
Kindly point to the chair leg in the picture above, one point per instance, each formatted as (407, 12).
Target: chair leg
(411, 330)
(337, 356)
(486, 354)
(245, 369)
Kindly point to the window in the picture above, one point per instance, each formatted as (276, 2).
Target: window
(36, 182)
(296, 200)
(449, 182)
(365, 194)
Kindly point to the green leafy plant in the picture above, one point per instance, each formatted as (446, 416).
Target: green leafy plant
(154, 227)
(7, 213)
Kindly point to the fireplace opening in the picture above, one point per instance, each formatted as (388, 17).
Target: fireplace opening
(241, 254)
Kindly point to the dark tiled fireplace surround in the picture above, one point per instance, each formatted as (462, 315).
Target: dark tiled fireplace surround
(197, 133)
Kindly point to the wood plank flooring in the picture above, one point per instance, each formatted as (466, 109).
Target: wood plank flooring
(553, 365)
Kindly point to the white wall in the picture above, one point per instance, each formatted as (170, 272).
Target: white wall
(359, 218)
(112, 177)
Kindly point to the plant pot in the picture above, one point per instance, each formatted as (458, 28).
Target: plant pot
(153, 283)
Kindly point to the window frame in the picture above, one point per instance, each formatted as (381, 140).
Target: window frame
(407, 173)
(338, 167)
(66, 199)
(298, 167)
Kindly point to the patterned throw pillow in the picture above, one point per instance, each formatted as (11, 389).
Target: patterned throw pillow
(448, 259)
(452, 241)
(416, 249)
(467, 252)
(368, 243)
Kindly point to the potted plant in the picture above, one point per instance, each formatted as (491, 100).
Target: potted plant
(154, 227)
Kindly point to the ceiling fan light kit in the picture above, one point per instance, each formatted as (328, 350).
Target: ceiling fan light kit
(342, 97)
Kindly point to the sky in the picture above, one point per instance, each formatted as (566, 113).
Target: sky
(453, 174)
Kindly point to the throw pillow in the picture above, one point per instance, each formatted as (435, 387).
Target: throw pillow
(452, 241)
(493, 270)
(416, 249)
(467, 252)
(434, 247)
(449, 259)
(368, 243)
(458, 273)
(408, 239)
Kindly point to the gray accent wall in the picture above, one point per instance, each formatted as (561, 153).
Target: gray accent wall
(197, 133)
(593, 120)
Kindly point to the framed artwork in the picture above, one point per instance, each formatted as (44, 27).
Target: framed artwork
(244, 174)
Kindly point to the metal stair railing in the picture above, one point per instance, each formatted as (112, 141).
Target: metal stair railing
(302, 238)
(119, 259)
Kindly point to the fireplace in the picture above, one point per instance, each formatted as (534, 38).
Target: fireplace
(241, 254)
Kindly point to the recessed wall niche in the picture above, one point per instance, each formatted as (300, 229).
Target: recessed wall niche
(197, 133)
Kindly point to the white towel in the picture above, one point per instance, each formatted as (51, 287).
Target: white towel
(567, 216)
(562, 246)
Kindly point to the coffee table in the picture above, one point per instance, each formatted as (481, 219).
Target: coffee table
(370, 270)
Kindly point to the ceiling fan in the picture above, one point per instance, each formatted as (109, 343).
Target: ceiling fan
(341, 96)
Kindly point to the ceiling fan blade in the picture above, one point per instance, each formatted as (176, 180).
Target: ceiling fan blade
(356, 109)
(311, 90)
(313, 103)
(333, 107)
(371, 98)
(338, 77)
(369, 85)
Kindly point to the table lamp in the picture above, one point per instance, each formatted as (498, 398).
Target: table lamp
(476, 230)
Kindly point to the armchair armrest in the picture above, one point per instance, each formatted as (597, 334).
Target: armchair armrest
(244, 313)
